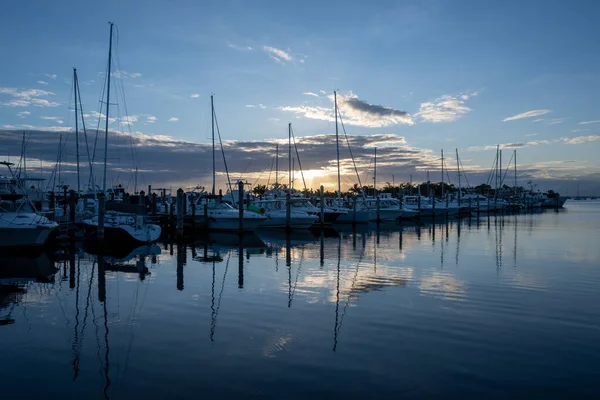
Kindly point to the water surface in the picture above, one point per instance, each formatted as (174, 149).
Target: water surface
(494, 307)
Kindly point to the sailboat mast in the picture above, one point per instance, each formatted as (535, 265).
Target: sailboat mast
(75, 85)
(458, 171)
(212, 120)
(337, 145)
(276, 165)
(501, 177)
(375, 174)
(107, 106)
(442, 174)
(289, 156)
(515, 171)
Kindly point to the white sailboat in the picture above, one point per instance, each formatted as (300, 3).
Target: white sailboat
(119, 228)
(222, 217)
(20, 225)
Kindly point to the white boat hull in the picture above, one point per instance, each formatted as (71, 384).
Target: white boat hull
(278, 220)
(385, 214)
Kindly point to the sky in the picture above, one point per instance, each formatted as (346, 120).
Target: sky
(413, 78)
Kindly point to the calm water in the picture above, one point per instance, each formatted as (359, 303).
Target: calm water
(492, 307)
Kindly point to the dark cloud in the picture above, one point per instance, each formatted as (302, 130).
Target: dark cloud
(374, 109)
(167, 162)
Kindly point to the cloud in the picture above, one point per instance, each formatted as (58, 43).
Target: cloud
(274, 119)
(589, 122)
(128, 120)
(554, 121)
(277, 54)
(194, 96)
(580, 130)
(240, 48)
(151, 119)
(261, 106)
(516, 145)
(27, 97)
(51, 76)
(538, 120)
(531, 134)
(23, 114)
(527, 114)
(55, 119)
(581, 139)
(310, 94)
(360, 112)
(173, 119)
(120, 74)
(354, 112)
(445, 108)
(43, 83)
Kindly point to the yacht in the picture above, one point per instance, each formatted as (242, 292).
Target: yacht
(276, 213)
(20, 225)
(423, 206)
(223, 217)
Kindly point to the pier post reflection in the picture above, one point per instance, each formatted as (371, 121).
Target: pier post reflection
(181, 256)
(241, 263)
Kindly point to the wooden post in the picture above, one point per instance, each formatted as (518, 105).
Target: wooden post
(240, 204)
(153, 206)
(193, 207)
(185, 203)
(447, 204)
(52, 201)
(101, 210)
(322, 194)
(354, 211)
(179, 225)
(72, 205)
(288, 211)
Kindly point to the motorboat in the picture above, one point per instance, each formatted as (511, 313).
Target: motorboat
(20, 224)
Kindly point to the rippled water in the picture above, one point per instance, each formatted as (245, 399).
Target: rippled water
(494, 307)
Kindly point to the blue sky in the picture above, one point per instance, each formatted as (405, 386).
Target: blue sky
(460, 71)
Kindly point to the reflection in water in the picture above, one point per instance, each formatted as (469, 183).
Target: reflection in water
(388, 291)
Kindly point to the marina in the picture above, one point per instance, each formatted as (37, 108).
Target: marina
(420, 309)
(299, 201)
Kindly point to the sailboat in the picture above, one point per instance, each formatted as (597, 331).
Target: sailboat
(119, 228)
(339, 206)
(20, 225)
(222, 216)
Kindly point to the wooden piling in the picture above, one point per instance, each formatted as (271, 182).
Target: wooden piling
(179, 225)
(153, 205)
(101, 211)
(322, 215)
(240, 204)
(288, 211)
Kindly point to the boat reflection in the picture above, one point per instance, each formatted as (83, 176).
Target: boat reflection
(17, 272)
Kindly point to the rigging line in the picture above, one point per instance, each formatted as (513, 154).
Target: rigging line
(257, 179)
(490, 177)
(98, 115)
(507, 169)
(213, 326)
(87, 147)
(350, 149)
(298, 157)
(464, 173)
(271, 171)
(222, 150)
